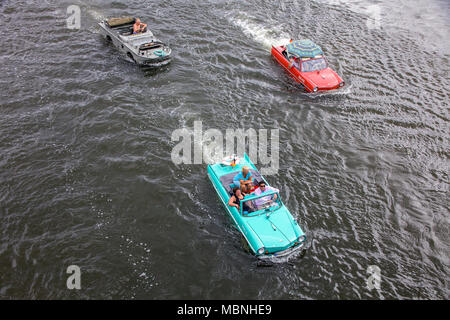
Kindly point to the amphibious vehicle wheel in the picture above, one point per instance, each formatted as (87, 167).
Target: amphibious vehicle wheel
(245, 245)
(131, 57)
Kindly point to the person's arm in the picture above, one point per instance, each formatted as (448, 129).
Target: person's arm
(274, 196)
(231, 203)
(250, 179)
(291, 63)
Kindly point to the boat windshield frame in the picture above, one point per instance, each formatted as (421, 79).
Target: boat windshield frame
(139, 39)
(313, 59)
(262, 211)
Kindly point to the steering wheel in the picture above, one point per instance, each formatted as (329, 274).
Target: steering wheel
(267, 204)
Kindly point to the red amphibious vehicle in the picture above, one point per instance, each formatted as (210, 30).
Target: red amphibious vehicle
(312, 72)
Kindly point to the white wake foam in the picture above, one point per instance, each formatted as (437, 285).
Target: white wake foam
(261, 34)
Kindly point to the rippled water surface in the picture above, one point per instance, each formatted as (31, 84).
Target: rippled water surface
(86, 176)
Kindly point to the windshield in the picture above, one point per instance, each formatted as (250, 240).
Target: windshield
(265, 203)
(314, 65)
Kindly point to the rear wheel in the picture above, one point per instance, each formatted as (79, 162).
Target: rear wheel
(245, 245)
(131, 57)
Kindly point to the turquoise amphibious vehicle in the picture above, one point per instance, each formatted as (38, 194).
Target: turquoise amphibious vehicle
(269, 228)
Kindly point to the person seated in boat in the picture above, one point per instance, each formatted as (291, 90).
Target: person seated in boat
(261, 202)
(246, 191)
(236, 198)
(244, 179)
(139, 27)
(294, 62)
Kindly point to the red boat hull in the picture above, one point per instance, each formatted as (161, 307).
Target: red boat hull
(323, 80)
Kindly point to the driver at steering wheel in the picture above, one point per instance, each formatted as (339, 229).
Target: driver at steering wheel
(263, 201)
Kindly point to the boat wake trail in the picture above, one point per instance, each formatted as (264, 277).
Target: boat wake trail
(265, 36)
(91, 15)
(96, 15)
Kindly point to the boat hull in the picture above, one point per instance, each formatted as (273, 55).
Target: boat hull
(130, 51)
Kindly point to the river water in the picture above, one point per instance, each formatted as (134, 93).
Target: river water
(86, 176)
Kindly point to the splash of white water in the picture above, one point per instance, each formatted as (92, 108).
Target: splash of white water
(265, 36)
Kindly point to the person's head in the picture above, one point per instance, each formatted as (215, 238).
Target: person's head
(262, 185)
(245, 170)
(236, 191)
(138, 20)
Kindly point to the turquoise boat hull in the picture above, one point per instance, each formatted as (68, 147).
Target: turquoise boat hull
(269, 232)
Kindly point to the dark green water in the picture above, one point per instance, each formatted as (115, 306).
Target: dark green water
(86, 176)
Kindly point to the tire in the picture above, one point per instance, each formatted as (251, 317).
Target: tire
(245, 245)
(131, 57)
